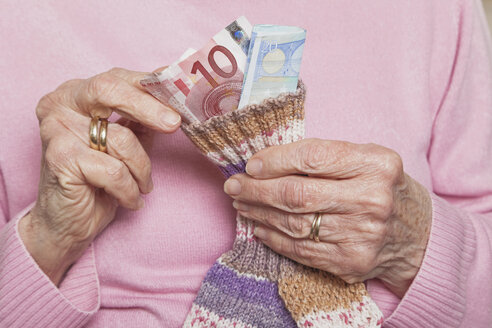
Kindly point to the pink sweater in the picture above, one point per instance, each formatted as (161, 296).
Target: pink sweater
(415, 76)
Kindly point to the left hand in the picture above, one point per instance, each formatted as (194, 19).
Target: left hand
(375, 219)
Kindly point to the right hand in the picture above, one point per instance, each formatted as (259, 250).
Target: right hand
(80, 188)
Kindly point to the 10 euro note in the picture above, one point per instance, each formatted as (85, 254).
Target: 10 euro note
(273, 63)
(206, 82)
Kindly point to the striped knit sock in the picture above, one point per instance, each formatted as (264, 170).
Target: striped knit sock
(250, 285)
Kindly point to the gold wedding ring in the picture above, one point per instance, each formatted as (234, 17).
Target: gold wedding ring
(93, 133)
(103, 133)
(98, 134)
(314, 234)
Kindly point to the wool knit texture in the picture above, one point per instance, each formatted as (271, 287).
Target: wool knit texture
(251, 285)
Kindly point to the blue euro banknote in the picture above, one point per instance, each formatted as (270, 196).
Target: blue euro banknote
(273, 63)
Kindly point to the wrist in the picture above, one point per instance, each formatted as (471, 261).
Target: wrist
(52, 256)
(411, 231)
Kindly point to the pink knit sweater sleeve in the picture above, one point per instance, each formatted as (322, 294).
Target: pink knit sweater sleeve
(453, 287)
(28, 298)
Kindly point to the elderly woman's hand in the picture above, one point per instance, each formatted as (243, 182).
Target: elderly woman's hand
(79, 187)
(375, 218)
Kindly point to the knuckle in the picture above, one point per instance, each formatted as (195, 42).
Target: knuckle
(101, 85)
(118, 171)
(379, 234)
(297, 226)
(311, 155)
(392, 164)
(46, 128)
(382, 204)
(46, 104)
(382, 232)
(55, 98)
(117, 71)
(377, 231)
(66, 86)
(293, 194)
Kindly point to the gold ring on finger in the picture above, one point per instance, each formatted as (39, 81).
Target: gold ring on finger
(314, 234)
(93, 133)
(103, 133)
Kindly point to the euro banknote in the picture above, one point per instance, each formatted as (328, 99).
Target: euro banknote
(273, 63)
(206, 82)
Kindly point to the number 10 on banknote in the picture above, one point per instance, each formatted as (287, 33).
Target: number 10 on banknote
(207, 82)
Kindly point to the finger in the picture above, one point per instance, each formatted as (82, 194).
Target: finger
(108, 92)
(351, 264)
(122, 143)
(314, 157)
(294, 194)
(143, 133)
(103, 171)
(335, 229)
(132, 77)
(305, 251)
(294, 225)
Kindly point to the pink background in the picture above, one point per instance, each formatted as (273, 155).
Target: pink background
(413, 76)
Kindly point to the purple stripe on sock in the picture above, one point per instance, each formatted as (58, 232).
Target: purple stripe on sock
(244, 298)
(232, 169)
(248, 288)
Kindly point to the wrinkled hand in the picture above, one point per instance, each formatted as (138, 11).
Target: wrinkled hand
(375, 222)
(80, 188)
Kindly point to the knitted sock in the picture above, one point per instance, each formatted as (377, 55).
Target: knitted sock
(250, 285)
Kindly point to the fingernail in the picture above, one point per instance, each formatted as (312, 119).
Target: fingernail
(240, 206)
(169, 119)
(259, 232)
(254, 166)
(232, 187)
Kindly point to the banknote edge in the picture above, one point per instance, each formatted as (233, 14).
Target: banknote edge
(280, 99)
